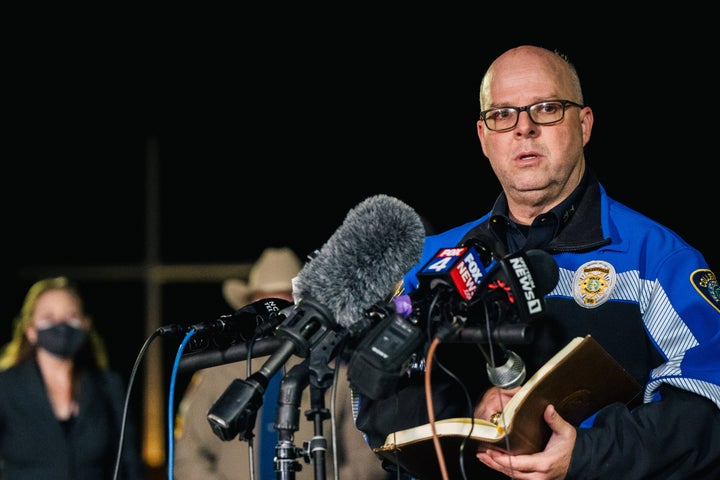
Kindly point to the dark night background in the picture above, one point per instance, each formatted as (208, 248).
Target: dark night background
(268, 133)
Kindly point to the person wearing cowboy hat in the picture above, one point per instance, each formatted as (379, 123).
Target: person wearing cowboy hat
(270, 276)
(200, 454)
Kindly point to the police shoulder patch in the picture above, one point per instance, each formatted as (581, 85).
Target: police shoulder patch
(706, 283)
(593, 282)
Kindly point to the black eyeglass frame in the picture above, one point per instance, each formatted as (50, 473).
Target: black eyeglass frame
(527, 108)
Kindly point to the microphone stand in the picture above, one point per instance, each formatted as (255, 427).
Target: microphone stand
(315, 371)
(317, 446)
(287, 421)
(321, 378)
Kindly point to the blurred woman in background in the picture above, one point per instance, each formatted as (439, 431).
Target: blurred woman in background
(61, 406)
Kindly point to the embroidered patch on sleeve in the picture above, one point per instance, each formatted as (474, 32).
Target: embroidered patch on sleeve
(706, 283)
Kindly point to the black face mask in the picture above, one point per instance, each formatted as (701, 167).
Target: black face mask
(62, 339)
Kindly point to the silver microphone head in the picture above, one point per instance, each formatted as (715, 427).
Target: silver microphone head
(509, 375)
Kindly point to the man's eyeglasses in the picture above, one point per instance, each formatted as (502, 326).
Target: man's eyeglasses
(548, 112)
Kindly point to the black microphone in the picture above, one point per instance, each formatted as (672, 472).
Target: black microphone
(360, 265)
(212, 357)
(522, 279)
(254, 319)
(257, 319)
(226, 339)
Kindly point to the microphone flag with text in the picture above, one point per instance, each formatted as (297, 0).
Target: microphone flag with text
(360, 265)
(463, 295)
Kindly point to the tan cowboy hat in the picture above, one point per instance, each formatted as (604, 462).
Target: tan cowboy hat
(272, 272)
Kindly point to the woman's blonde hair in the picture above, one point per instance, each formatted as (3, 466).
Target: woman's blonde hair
(19, 349)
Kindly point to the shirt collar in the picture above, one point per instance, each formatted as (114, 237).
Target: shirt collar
(545, 226)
